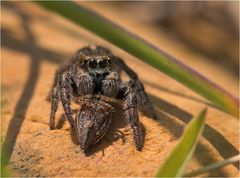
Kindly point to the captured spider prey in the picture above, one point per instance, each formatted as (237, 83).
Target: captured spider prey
(93, 119)
(96, 71)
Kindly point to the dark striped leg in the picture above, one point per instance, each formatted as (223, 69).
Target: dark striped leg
(146, 105)
(130, 110)
(122, 66)
(54, 106)
(65, 90)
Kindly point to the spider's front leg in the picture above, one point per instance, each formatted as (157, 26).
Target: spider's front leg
(54, 98)
(130, 110)
(134, 83)
(84, 85)
(66, 91)
(65, 84)
(60, 77)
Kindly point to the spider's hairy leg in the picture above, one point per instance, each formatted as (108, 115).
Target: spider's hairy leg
(130, 110)
(66, 91)
(146, 105)
(54, 99)
(54, 106)
(110, 85)
(123, 66)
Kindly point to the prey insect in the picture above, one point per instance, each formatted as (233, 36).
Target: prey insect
(93, 73)
(93, 119)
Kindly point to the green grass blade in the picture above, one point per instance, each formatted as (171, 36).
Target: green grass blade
(176, 162)
(146, 52)
(213, 166)
(4, 163)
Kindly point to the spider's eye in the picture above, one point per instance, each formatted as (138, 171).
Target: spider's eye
(92, 63)
(109, 60)
(102, 63)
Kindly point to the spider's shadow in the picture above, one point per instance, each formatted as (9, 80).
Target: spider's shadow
(113, 134)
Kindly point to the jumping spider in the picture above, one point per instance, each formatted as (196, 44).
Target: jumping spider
(93, 73)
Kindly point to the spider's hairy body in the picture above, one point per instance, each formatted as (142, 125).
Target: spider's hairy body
(93, 72)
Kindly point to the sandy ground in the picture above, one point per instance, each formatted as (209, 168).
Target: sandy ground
(35, 43)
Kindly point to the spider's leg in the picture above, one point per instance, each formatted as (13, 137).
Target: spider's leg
(61, 70)
(123, 66)
(138, 87)
(146, 105)
(130, 110)
(66, 91)
(54, 98)
(54, 106)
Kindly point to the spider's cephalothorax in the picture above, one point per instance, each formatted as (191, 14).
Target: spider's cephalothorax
(96, 71)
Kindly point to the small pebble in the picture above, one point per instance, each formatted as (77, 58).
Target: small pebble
(77, 150)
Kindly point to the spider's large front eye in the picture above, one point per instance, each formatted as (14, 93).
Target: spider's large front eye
(92, 63)
(102, 63)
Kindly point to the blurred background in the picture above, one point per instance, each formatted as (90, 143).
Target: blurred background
(208, 28)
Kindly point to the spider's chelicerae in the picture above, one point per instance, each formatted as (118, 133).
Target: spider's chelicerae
(92, 77)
